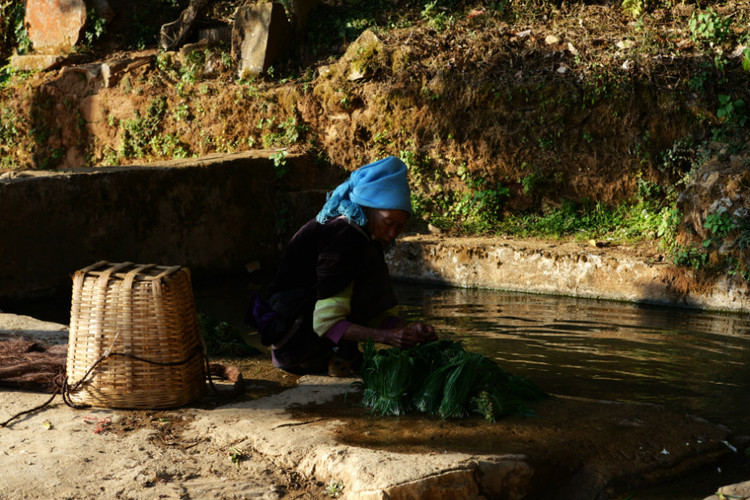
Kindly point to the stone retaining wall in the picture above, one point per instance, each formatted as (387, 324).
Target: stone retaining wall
(213, 214)
(556, 268)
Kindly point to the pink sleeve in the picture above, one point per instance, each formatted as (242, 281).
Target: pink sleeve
(335, 333)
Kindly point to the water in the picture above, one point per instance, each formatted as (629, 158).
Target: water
(691, 361)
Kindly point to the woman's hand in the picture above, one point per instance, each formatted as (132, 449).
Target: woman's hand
(411, 335)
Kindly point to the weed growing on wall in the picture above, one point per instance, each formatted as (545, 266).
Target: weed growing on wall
(138, 132)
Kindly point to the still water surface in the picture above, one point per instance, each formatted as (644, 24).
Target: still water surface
(691, 361)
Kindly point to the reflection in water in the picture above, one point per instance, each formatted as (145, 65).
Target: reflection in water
(688, 360)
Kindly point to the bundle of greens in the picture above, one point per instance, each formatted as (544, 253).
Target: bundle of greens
(442, 378)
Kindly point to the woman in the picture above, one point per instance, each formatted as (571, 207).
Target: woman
(332, 289)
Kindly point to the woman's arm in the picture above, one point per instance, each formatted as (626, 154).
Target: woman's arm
(402, 337)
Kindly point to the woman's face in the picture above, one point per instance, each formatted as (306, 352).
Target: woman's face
(385, 225)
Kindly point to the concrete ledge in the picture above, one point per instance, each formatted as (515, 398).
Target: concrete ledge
(559, 269)
(369, 474)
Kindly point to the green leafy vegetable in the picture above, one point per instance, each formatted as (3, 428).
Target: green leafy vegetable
(442, 378)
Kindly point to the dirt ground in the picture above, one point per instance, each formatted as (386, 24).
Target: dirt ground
(577, 448)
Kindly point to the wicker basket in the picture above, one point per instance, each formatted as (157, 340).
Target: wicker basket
(134, 340)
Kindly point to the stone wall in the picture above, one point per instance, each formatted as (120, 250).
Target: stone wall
(214, 215)
(570, 269)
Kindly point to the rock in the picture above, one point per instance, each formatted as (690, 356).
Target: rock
(551, 40)
(449, 485)
(717, 186)
(36, 62)
(361, 57)
(112, 71)
(90, 71)
(54, 26)
(739, 491)
(507, 477)
(433, 229)
(260, 35)
(14, 325)
(174, 34)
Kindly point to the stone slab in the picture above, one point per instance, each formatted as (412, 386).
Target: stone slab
(36, 62)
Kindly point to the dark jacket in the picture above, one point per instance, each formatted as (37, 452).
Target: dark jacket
(319, 262)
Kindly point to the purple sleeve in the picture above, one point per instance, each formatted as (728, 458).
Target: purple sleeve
(335, 333)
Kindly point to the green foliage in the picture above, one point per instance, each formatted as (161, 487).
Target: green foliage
(720, 224)
(730, 110)
(95, 27)
(8, 126)
(386, 379)
(680, 160)
(709, 29)
(646, 219)
(530, 182)
(635, 8)
(168, 146)
(286, 133)
(442, 378)
(138, 132)
(12, 29)
(279, 162)
(221, 339)
(334, 489)
(743, 240)
(671, 218)
(689, 256)
(436, 16)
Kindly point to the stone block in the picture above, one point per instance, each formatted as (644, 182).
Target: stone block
(36, 62)
(260, 35)
(54, 26)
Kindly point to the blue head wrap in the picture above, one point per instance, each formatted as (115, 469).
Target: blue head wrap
(381, 185)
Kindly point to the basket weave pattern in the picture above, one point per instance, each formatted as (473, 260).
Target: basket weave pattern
(137, 326)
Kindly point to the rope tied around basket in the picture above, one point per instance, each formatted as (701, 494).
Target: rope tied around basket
(64, 388)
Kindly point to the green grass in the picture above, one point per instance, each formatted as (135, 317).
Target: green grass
(585, 221)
